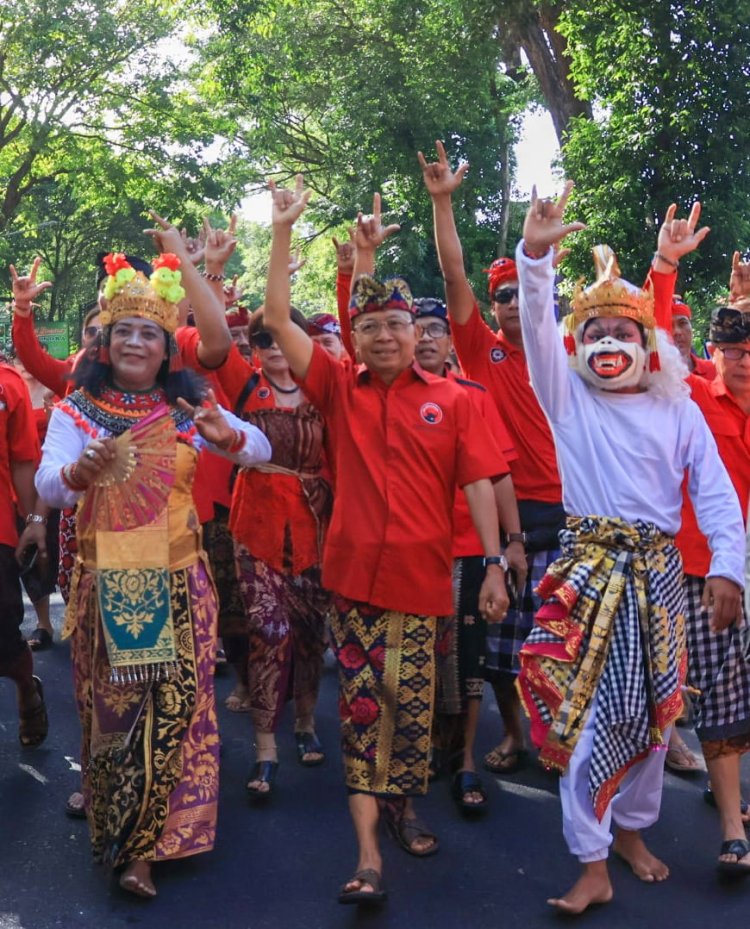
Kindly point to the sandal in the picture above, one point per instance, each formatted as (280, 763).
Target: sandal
(309, 744)
(500, 762)
(681, 760)
(265, 772)
(739, 848)
(406, 831)
(468, 782)
(33, 724)
(39, 639)
(365, 876)
(236, 704)
(710, 799)
(75, 807)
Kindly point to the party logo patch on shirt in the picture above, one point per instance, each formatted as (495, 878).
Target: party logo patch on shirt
(264, 393)
(431, 413)
(497, 355)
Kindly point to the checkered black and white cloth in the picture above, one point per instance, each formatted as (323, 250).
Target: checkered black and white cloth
(719, 667)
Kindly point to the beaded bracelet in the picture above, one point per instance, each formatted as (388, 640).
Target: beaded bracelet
(217, 278)
(667, 261)
(238, 443)
(68, 474)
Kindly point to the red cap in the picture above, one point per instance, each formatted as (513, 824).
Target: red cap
(500, 272)
(679, 308)
(237, 316)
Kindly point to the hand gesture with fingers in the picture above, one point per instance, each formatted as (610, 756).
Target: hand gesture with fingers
(677, 237)
(739, 281)
(220, 243)
(438, 177)
(26, 289)
(167, 238)
(370, 233)
(209, 421)
(288, 205)
(296, 262)
(345, 254)
(195, 247)
(544, 227)
(233, 292)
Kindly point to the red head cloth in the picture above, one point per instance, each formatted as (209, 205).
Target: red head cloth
(237, 316)
(679, 308)
(323, 324)
(500, 272)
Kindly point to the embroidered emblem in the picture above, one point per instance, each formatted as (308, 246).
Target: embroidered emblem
(264, 393)
(497, 355)
(431, 413)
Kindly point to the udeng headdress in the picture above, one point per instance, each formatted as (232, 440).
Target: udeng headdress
(130, 293)
(611, 295)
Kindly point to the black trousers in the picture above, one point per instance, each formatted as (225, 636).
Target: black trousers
(12, 643)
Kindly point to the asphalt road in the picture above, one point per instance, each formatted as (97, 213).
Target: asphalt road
(280, 866)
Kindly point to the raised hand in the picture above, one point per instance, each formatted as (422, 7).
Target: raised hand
(209, 421)
(543, 226)
(677, 237)
(220, 244)
(26, 289)
(167, 238)
(288, 205)
(438, 177)
(370, 233)
(739, 280)
(195, 247)
(232, 292)
(345, 254)
(296, 263)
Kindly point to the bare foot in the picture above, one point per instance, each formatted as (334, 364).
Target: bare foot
(239, 700)
(592, 887)
(631, 848)
(136, 879)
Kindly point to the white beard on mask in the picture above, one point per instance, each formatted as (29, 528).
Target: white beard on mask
(610, 364)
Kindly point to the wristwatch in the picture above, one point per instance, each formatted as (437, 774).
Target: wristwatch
(500, 560)
(36, 518)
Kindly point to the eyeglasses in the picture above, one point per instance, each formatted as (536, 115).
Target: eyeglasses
(394, 325)
(505, 294)
(433, 330)
(261, 339)
(734, 354)
(91, 332)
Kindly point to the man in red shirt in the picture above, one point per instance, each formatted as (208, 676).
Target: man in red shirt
(682, 333)
(719, 666)
(497, 362)
(402, 441)
(19, 456)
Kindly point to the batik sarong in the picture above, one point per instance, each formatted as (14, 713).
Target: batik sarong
(286, 622)
(386, 663)
(612, 625)
(150, 751)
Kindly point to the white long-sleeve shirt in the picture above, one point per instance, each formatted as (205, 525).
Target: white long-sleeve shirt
(65, 440)
(625, 455)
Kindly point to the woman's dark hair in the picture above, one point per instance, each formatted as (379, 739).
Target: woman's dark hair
(257, 324)
(93, 375)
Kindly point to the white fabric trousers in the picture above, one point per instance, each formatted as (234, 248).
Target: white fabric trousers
(635, 807)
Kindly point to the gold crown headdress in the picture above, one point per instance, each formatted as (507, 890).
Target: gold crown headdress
(131, 293)
(611, 295)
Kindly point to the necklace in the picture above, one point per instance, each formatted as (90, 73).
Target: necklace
(281, 390)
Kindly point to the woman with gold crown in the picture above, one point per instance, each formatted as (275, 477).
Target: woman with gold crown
(142, 610)
(602, 670)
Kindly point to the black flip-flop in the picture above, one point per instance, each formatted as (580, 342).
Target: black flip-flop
(265, 772)
(739, 848)
(369, 876)
(309, 744)
(39, 640)
(468, 782)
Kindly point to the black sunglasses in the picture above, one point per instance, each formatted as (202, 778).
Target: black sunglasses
(261, 339)
(505, 294)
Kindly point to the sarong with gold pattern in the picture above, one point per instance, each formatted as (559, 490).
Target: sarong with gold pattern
(612, 625)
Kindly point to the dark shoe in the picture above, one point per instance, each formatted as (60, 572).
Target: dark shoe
(710, 799)
(265, 772)
(505, 762)
(39, 640)
(33, 725)
(739, 848)
(309, 744)
(468, 782)
(406, 831)
(75, 807)
(367, 876)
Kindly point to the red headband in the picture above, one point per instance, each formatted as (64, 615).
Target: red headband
(680, 309)
(500, 272)
(237, 316)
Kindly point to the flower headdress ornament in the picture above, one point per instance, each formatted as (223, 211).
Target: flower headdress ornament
(130, 293)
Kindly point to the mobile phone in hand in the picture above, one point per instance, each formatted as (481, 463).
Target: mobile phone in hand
(28, 559)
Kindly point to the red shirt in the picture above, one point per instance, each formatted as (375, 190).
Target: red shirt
(501, 368)
(18, 442)
(704, 367)
(52, 372)
(466, 540)
(400, 451)
(730, 427)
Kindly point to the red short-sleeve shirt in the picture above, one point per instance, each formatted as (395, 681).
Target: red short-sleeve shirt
(18, 442)
(730, 427)
(501, 368)
(400, 451)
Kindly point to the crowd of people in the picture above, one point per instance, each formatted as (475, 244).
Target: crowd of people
(555, 507)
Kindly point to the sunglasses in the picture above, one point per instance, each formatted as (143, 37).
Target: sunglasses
(261, 339)
(505, 294)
